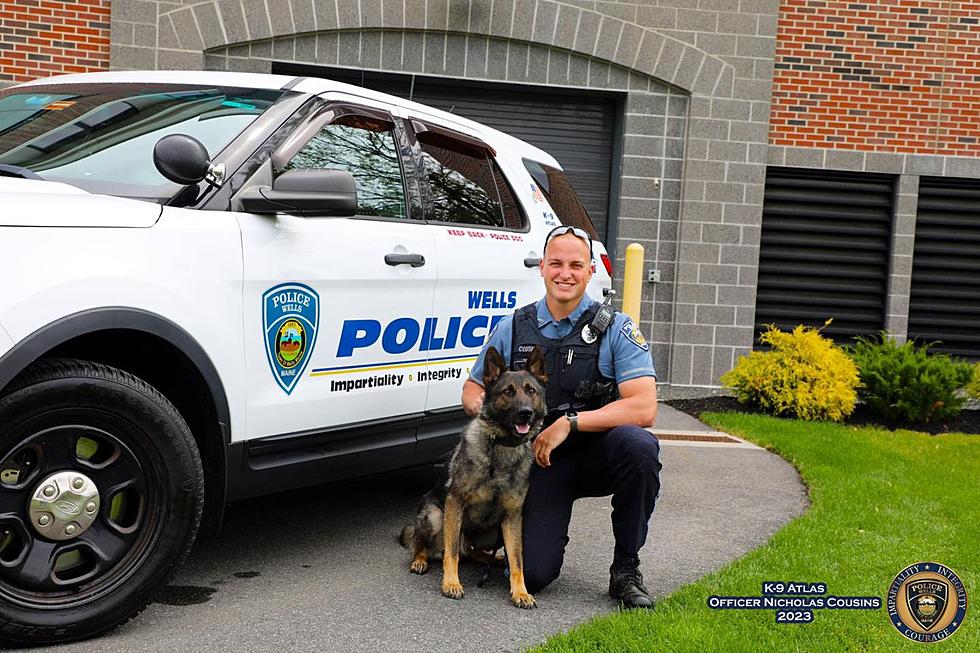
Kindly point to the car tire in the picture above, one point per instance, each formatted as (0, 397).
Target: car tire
(101, 494)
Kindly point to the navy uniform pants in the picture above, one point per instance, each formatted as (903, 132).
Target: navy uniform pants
(624, 462)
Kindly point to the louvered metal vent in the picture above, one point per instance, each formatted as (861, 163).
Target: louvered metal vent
(824, 251)
(945, 301)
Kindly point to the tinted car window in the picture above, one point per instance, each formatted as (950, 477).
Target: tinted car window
(557, 189)
(364, 147)
(467, 187)
(100, 137)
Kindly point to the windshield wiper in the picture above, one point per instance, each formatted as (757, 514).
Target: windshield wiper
(18, 171)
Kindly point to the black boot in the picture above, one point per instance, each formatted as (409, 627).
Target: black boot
(626, 583)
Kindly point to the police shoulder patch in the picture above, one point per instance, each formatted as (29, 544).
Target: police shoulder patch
(633, 335)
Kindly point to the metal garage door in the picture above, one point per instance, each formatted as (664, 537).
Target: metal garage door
(824, 254)
(576, 128)
(945, 301)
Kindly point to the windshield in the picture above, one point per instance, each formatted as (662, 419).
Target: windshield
(100, 137)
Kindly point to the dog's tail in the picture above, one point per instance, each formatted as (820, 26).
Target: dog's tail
(406, 536)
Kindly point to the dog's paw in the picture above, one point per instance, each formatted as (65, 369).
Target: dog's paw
(452, 590)
(419, 566)
(523, 600)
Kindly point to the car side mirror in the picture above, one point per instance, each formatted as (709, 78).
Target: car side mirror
(182, 159)
(312, 192)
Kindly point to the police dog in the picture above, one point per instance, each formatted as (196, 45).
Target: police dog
(482, 492)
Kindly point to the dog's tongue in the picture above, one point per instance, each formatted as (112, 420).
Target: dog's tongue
(522, 428)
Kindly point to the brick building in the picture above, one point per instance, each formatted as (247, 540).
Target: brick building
(781, 161)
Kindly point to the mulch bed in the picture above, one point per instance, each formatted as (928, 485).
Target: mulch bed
(968, 421)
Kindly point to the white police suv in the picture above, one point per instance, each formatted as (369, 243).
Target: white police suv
(215, 286)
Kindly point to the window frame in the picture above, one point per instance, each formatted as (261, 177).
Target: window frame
(416, 126)
(325, 115)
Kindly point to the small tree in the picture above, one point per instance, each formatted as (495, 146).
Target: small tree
(904, 383)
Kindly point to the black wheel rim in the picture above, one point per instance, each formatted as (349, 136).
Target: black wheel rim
(37, 572)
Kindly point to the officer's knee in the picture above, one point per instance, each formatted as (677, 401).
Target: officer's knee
(539, 577)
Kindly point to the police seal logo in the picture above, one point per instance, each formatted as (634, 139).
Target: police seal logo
(290, 344)
(290, 316)
(927, 602)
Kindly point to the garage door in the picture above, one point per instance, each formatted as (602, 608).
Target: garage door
(944, 305)
(576, 128)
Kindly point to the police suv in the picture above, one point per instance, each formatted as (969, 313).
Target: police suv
(215, 286)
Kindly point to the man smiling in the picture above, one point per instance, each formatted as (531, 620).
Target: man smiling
(601, 393)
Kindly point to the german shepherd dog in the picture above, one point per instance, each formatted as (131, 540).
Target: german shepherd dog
(482, 492)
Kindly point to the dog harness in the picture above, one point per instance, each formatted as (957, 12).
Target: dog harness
(572, 363)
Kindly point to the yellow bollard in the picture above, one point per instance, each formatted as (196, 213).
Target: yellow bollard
(632, 278)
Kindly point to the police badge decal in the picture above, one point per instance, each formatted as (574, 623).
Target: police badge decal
(927, 602)
(290, 317)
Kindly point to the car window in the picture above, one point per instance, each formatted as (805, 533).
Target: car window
(100, 137)
(366, 148)
(467, 186)
(557, 189)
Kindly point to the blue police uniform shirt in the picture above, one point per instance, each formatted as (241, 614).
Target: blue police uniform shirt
(623, 354)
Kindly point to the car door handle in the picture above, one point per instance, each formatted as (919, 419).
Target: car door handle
(415, 260)
(532, 262)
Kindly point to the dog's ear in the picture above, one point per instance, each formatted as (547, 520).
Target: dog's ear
(493, 367)
(536, 366)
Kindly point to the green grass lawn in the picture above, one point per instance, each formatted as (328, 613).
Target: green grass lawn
(881, 501)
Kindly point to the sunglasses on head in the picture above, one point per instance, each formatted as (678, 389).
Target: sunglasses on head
(566, 229)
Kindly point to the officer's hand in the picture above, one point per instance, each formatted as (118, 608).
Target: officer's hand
(472, 399)
(548, 440)
(473, 405)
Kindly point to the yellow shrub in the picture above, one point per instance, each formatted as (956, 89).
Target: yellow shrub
(973, 387)
(804, 375)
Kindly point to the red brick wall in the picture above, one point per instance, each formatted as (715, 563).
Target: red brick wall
(888, 76)
(39, 38)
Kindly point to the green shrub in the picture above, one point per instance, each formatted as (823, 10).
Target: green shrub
(973, 387)
(905, 383)
(804, 375)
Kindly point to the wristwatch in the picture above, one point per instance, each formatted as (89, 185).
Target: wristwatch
(572, 417)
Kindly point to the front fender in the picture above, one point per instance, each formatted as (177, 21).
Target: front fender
(16, 359)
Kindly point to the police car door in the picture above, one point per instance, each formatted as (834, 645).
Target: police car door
(334, 305)
(482, 240)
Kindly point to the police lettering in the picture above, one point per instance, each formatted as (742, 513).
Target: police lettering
(405, 333)
(492, 299)
(291, 301)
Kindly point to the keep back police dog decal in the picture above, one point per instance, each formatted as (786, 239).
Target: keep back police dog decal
(291, 317)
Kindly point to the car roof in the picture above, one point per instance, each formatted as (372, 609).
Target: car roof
(218, 78)
(313, 85)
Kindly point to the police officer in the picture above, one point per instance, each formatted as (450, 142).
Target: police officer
(601, 393)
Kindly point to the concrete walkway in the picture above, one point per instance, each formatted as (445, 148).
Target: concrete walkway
(319, 569)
